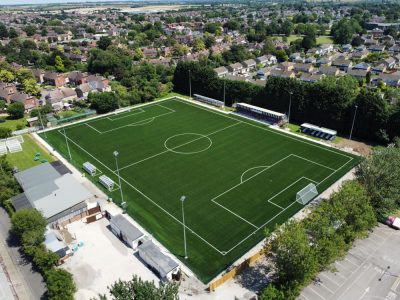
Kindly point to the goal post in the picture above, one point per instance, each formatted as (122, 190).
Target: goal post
(307, 194)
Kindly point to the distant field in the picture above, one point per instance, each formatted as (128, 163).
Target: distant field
(324, 39)
(24, 160)
(239, 176)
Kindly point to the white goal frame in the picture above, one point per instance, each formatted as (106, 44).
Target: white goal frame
(307, 194)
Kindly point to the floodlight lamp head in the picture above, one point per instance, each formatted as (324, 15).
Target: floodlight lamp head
(183, 198)
(115, 153)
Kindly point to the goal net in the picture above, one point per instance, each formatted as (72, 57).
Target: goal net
(307, 194)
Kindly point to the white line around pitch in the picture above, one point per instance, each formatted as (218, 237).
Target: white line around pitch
(235, 214)
(178, 146)
(92, 128)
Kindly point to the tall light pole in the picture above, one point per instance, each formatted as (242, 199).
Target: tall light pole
(66, 142)
(290, 104)
(190, 84)
(41, 121)
(224, 92)
(354, 119)
(183, 198)
(119, 177)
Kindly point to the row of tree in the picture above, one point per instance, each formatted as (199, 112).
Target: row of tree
(300, 249)
(331, 102)
(29, 226)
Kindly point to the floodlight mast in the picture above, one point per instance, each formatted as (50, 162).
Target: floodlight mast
(190, 84)
(183, 198)
(119, 177)
(66, 141)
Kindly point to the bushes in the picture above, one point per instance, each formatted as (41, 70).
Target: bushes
(5, 132)
(103, 102)
(60, 284)
(301, 249)
(29, 226)
(16, 110)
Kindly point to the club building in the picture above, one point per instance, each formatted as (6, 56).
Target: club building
(53, 190)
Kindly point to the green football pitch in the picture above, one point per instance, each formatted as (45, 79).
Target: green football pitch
(239, 176)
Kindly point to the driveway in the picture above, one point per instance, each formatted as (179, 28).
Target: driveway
(371, 270)
(19, 269)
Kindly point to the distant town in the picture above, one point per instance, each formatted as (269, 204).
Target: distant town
(200, 150)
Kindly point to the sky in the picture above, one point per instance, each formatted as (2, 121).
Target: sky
(18, 2)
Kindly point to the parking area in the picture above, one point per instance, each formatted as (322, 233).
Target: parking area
(371, 270)
(101, 259)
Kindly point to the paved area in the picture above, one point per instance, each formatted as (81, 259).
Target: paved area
(102, 260)
(371, 270)
(27, 283)
(6, 289)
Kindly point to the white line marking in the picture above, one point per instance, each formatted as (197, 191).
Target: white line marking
(273, 203)
(316, 293)
(130, 113)
(92, 128)
(311, 161)
(170, 109)
(263, 128)
(144, 195)
(178, 146)
(257, 167)
(235, 214)
(286, 188)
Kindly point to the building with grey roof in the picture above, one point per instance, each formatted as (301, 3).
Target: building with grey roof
(126, 231)
(58, 195)
(158, 262)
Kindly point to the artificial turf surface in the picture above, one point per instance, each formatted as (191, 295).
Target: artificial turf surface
(238, 176)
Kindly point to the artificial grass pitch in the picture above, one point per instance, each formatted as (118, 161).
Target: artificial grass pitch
(239, 177)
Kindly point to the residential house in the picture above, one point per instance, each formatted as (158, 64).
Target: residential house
(296, 57)
(30, 102)
(57, 98)
(362, 66)
(329, 70)
(392, 79)
(266, 60)
(304, 68)
(282, 73)
(286, 66)
(7, 90)
(347, 48)
(39, 75)
(381, 68)
(249, 65)
(377, 48)
(54, 78)
(343, 65)
(77, 77)
(324, 49)
(360, 54)
(235, 68)
(389, 62)
(357, 73)
(395, 48)
(221, 71)
(99, 83)
(311, 77)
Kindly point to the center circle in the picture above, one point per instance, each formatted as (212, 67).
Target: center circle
(177, 143)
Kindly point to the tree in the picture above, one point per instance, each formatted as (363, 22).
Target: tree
(24, 74)
(104, 42)
(198, 45)
(308, 42)
(3, 31)
(16, 110)
(138, 289)
(60, 285)
(379, 174)
(272, 293)
(44, 259)
(209, 41)
(28, 220)
(292, 255)
(5, 132)
(6, 76)
(30, 87)
(138, 54)
(59, 64)
(103, 102)
(12, 33)
(30, 30)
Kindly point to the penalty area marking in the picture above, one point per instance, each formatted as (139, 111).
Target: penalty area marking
(129, 114)
(257, 167)
(200, 136)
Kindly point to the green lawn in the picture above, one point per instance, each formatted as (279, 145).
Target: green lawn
(24, 160)
(323, 39)
(239, 177)
(13, 123)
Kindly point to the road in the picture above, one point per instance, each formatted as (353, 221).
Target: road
(371, 270)
(32, 280)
